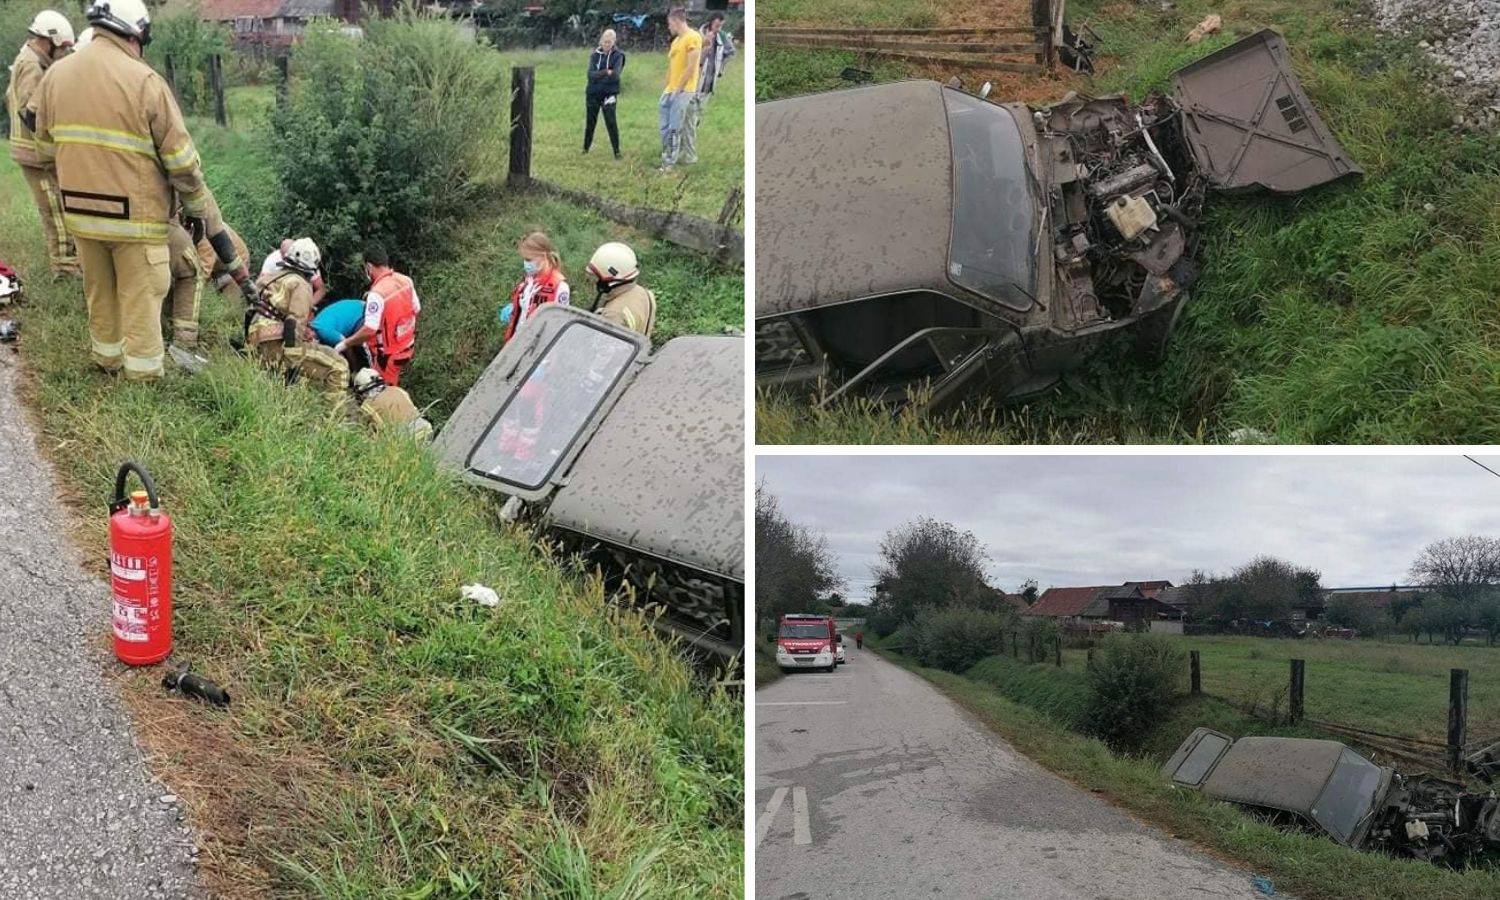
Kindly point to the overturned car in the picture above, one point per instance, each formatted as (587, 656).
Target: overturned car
(635, 460)
(910, 234)
(1329, 788)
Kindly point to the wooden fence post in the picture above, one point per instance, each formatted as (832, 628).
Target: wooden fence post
(284, 85)
(216, 82)
(1091, 656)
(1057, 649)
(1196, 672)
(1041, 21)
(1458, 718)
(1015, 644)
(1294, 707)
(1031, 647)
(522, 93)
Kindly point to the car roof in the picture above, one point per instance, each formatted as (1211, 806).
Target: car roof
(664, 474)
(853, 195)
(1281, 773)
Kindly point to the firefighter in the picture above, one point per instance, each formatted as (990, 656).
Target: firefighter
(109, 127)
(186, 293)
(49, 39)
(280, 332)
(387, 406)
(621, 300)
(389, 331)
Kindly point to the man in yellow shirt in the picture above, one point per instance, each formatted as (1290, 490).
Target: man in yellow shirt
(682, 85)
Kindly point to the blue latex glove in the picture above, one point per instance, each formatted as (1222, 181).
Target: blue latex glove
(505, 313)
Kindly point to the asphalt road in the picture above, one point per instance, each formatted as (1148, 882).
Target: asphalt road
(80, 815)
(871, 783)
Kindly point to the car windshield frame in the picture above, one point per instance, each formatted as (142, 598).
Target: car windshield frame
(979, 222)
(1354, 779)
(803, 631)
(581, 424)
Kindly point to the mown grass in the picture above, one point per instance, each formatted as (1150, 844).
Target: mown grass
(699, 189)
(386, 738)
(1308, 866)
(1353, 314)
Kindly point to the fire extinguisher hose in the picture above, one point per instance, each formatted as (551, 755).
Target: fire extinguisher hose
(120, 502)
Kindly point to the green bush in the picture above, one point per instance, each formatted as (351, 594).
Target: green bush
(883, 620)
(956, 638)
(388, 138)
(1132, 681)
(1039, 636)
(190, 42)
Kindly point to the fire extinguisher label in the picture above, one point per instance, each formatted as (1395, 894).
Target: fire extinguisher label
(135, 595)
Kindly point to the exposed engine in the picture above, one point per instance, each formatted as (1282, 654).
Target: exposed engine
(1126, 211)
(1431, 818)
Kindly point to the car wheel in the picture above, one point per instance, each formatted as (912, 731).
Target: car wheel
(832, 667)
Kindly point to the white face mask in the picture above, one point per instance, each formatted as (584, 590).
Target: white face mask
(531, 266)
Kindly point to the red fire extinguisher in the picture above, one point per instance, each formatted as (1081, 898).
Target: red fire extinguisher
(140, 569)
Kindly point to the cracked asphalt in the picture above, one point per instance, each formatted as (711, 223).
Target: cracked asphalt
(905, 795)
(80, 816)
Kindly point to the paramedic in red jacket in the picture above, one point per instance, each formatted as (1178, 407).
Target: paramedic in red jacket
(543, 283)
(389, 331)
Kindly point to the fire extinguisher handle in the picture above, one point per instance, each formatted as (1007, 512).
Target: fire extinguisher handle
(119, 502)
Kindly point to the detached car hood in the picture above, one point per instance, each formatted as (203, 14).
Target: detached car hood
(1248, 123)
(853, 196)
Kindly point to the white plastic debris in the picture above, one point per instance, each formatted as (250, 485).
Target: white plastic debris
(484, 596)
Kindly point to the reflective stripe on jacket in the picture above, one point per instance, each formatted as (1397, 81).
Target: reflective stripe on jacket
(25, 76)
(111, 128)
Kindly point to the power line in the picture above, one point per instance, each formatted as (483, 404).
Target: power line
(1481, 465)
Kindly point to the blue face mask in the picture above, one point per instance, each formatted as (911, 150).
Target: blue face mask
(531, 266)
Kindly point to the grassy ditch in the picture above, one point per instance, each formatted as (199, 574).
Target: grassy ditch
(1354, 314)
(1311, 867)
(386, 738)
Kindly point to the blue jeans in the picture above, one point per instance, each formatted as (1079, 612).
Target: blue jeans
(671, 112)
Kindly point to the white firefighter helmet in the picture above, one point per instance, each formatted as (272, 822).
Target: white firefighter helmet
(127, 18)
(304, 256)
(367, 380)
(614, 262)
(84, 38)
(54, 26)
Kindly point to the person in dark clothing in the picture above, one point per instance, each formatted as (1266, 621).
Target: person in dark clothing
(605, 65)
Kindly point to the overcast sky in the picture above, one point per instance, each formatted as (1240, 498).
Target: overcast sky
(1084, 520)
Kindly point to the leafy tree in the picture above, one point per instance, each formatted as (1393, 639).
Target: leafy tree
(1487, 616)
(927, 563)
(1462, 568)
(1266, 589)
(190, 41)
(794, 569)
(1030, 591)
(1351, 612)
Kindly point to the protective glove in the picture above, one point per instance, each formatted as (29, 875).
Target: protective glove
(505, 313)
(247, 287)
(197, 227)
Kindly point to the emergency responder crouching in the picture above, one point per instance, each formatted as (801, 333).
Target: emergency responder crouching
(388, 406)
(389, 332)
(121, 167)
(621, 300)
(280, 332)
(49, 39)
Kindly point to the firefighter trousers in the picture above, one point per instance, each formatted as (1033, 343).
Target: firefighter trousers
(187, 287)
(125, 284)
(60, 251)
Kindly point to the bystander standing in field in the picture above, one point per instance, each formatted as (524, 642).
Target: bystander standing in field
(543, 283)
(605, 65)
(718, 47)
(682, 85)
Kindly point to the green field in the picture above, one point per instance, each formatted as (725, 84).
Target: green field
(1310, 867)
(387, 738)
(1355, 314)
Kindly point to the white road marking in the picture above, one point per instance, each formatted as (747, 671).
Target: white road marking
(801, 832)
(763, 827)
(803, 703)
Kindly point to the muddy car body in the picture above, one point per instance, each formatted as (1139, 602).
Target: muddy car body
(912, 234)
(1331, 789)
(634, 459)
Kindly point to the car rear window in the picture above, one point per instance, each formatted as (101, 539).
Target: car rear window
(542, 418)
(1200, 760)
(1348, 796)
(992, 250)
(809, 630)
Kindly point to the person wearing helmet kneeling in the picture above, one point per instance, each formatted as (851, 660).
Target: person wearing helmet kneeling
(388, 406)
(48, 40)
(621, 300)
(280, 332)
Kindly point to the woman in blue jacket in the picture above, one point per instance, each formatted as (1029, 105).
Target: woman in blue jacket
(605, 65)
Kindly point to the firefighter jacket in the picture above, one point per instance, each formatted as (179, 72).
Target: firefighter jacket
(630, 305)
(110, 127)
(284, 293)
(25, 76)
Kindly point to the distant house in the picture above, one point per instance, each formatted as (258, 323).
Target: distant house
(1125, 604)
(280, 23)
(1380, 599)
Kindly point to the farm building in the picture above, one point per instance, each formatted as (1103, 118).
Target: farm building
(1098, 606)
(279, 23)
(1378, 598)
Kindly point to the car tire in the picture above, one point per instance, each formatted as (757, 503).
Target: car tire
(832, 668)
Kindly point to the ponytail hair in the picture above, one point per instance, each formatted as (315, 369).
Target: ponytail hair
(538, 244)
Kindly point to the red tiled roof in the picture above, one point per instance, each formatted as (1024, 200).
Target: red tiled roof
(1065, 601)
(221, 10)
